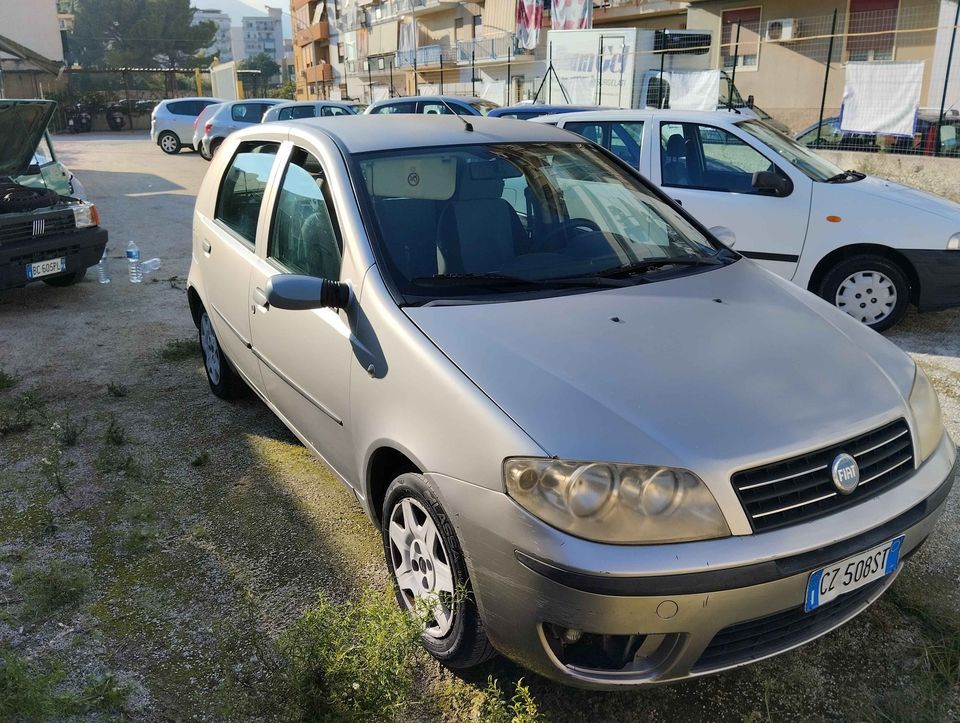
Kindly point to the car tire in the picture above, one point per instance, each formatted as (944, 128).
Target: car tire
(203, 154)
(224, 381)
(870, 288)
(412, 517)
(169, 143)
(68, 279)
(214, 147)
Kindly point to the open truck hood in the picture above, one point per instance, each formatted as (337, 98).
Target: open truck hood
(22, 125)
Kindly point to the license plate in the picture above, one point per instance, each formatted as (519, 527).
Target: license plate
(45, 268)
(832, 581)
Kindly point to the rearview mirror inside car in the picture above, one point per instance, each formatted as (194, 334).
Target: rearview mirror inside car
(724, 235)
(772, 182)
(298, 293)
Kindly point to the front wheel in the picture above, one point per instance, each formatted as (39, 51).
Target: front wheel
(224, 381)
(872, 289)
(169, 143)
(430, 574)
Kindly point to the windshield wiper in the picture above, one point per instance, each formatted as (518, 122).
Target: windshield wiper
(843, 176)
(639, 267)
(505, 280)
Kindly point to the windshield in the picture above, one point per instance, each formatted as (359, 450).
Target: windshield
(803, 159)
(483, 106)
(470, 221)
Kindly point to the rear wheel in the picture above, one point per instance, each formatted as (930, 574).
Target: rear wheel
(214, 147)
(224, 381)
(870, 288)
(169, 142)
(430, 574)
(69, 279)
(203, 154)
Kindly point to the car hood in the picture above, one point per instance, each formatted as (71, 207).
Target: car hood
(892, 192)
(22, 124)
(712, 371)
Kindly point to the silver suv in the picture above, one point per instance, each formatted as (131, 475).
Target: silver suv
(230, 117)
(172, 121)
(593, 437)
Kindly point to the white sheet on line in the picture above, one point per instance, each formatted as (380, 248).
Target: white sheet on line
(881, 97)
(693, 89)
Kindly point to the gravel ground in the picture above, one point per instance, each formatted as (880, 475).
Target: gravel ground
(208, 529)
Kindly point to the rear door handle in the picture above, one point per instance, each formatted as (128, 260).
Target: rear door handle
(207, 248)
(260, 302)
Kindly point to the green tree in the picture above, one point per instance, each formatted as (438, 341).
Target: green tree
(143, 33)
(268, 67)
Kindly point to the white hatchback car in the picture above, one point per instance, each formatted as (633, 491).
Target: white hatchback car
(868, 245)
(172, 122)
(231, 117)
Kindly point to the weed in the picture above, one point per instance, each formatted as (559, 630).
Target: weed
(200, 460)
(22, 413)
(521, 708)
(7, 380)
(46, 590)
(54, 469)
(179, 350)
(117, 389)
(354, 660)
(70, 430)
(115, 434)
(110, 460)
(104, 693)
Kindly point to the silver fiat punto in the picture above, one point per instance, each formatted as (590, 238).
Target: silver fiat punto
(595, 439)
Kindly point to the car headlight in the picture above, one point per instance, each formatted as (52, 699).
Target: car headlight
(620, 503)
(927, 419)
(86, 215)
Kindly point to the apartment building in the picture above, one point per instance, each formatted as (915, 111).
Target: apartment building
(221, 47)
(317, 51)
(262, 35)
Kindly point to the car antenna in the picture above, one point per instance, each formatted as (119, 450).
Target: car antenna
(467, 124)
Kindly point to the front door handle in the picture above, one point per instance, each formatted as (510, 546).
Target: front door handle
(678, 201)
(207, 248)
(260, 302)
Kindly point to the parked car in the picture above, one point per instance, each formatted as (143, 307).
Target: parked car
(230, 117)
(45, 234)
(171, 122)
(432, 105)
(870, 246)
(922, 142)
(312, 109)
(526, 111)
(199, 128)
(534, 405)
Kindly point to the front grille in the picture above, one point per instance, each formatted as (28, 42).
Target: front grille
(35, 256)
(53, 223)
(765, 636)
(801, 488)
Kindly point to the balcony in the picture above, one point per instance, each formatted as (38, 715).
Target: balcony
(297, 4)
(322, 73)
(426, 55)
(497, 47)
(318, 32)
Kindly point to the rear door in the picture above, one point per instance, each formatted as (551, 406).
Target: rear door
(622, 138)
(227, 250)
(709, 170)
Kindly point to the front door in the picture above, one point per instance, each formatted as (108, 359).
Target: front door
(304, 355)
(710, 170)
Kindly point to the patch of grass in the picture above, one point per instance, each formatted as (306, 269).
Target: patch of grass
(520, 708)
(21, 413)
(117, 389)
(46, 590)
(115, 434)
(200, 460)
(8, 380)
(70, 430)
(178, 350)
(354, 660)
(111, 460)
(104, 693)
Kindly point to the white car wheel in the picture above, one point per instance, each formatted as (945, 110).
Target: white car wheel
(211, 350)
(869, 296)
(169, 143)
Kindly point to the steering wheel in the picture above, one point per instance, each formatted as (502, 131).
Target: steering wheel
(584, 225)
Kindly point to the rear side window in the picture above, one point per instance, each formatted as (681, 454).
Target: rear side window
(243, 187)
(620, 137)
(248, 112)
(184, 107)
(305, 238)
(396, 108)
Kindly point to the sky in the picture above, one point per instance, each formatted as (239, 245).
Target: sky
(237, 9)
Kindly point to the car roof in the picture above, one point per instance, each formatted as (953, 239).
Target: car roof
(318, 103)
(696, 116)
(430, 98)
(361, 134)
(546, 108)
(165, 101)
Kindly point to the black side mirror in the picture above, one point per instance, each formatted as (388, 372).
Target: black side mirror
(298, 293)
(772, 182)
(750, 101)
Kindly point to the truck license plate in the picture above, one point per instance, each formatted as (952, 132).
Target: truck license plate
(831, 582)
(45, 268)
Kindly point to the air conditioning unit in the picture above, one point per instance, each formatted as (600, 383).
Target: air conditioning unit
(781, 29)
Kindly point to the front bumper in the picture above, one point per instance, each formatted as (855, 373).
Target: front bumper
(939, 275)
(685, 614)
(81, 249)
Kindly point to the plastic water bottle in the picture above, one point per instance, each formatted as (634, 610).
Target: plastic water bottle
(149, 266)
(133, 261)
(103, 270)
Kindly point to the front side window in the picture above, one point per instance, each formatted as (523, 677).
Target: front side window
(746, 52)
(333, 110)
(709, 158)
(540, 218)
(396, 108)
(304, 238)
(243, 187)
(435, 109)
(808, 162)
(622, 138)
(483, 106)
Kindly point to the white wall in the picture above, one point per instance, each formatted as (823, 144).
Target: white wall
(34, 24)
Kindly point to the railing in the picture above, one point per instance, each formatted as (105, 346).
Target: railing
(426, 55)
(316, 32)
(497, 47)
(389, 10)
